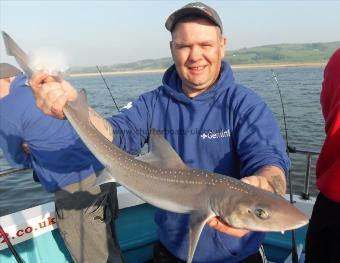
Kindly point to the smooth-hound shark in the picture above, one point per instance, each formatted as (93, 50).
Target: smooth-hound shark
(163, 180)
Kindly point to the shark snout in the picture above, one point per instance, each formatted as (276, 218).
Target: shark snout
(292, 219)
(276, 215)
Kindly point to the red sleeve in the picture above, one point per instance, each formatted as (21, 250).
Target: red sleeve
(328, 164)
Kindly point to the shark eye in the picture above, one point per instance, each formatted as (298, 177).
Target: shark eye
(260, 213)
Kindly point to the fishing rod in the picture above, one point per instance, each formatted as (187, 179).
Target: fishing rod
(107, 86)
(295, 258)
(286, 133)
(10, 246)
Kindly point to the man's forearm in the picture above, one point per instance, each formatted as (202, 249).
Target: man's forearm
(101, 124)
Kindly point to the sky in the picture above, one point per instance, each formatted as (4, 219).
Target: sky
(110, 32)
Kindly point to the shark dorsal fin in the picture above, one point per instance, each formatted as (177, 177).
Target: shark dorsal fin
(161, 153)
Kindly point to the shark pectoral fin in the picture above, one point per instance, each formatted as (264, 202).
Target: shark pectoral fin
(196, 225)
(103, 177)
(161, 153)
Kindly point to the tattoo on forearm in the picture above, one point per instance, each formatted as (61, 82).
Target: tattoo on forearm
(275, 179)
(276, 183)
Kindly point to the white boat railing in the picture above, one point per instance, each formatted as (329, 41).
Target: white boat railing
(13, 171)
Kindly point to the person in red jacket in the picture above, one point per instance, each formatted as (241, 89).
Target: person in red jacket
(323, 235)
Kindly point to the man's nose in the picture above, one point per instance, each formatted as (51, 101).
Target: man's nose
(195, 53)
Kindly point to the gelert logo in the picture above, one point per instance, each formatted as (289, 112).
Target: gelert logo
(128, 106)
(211, 135)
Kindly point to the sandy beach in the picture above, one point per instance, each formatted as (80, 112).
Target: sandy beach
(236, 67)
(294, 65)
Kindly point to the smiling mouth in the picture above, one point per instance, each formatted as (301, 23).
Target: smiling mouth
(197, 69)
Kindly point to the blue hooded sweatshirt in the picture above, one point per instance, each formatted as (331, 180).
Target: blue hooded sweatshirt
(227, 129)
(58, 157)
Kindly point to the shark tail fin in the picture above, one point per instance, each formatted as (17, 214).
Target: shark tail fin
(20, 56)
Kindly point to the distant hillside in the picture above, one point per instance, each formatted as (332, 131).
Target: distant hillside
(283, 53)
(146, 64)
(269, 54)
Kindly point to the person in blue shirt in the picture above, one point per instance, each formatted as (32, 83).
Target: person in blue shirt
(29, 138)
(212, 122)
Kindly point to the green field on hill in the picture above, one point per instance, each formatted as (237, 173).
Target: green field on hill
(269, 54)
(284, 53)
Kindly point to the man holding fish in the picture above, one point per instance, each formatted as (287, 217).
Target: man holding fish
(211, 122)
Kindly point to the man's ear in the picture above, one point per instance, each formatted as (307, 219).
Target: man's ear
(5, 85)
(171, 48)
(9, 80)
(223, 46)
